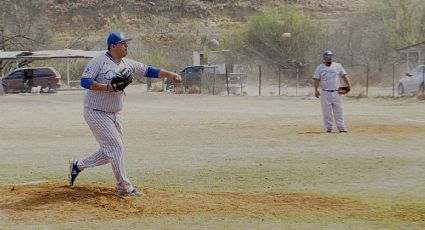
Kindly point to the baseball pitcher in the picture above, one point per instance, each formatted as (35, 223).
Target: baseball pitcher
(105, 78)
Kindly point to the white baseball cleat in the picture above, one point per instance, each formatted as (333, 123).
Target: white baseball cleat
(132, 191)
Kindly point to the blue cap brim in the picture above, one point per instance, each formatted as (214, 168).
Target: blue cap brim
(125, 40)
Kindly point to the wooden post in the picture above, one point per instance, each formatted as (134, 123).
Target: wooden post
(393, 78)
(200, 83)
(67, 72)
(367, 79)
(423, 78)
(298, 76)
(227, 81)
(259, 80)
(240, 79)
(214, 81)
(280, 73)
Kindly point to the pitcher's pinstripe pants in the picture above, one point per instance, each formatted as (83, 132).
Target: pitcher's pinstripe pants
(107, 129)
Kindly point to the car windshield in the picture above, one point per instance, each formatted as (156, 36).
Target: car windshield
(193, 69)
(16, 75)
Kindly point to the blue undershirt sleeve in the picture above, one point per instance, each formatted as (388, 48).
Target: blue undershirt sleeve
(86, 82)
(153, 72)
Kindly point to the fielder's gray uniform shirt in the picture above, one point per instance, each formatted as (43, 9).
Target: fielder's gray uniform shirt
(329, 76)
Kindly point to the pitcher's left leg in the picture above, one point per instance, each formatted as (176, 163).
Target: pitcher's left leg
(118, 165)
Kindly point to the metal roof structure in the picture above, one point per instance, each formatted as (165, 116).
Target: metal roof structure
(415, 54)
(49, 54)
(413, 47)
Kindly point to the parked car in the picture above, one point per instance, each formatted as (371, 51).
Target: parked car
(413, 82)
(23, 79)
(237, 80)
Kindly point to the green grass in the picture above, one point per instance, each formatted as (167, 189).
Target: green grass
(290, 221)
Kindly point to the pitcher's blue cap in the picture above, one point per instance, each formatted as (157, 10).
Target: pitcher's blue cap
(328, 54)
(116, 37)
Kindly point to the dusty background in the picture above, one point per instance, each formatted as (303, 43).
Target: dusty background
(216, 162)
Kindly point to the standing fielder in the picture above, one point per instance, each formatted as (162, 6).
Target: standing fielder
(327, 77)
(105, 77)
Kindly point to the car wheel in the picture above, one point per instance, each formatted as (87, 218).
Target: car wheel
(170, 88)
(400, 89)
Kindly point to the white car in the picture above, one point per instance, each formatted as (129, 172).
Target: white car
(413, 82)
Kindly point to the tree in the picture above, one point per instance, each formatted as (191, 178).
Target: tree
(260, 40)
(402, 20)
(370, 36)
(23, 26)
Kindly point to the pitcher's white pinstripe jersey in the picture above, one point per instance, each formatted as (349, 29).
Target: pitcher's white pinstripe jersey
(102, 69)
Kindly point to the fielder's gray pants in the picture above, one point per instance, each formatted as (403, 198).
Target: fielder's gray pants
(332, 109)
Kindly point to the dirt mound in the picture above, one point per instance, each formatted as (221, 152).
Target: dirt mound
(50, 203)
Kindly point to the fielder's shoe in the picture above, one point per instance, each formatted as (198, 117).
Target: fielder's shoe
(329, 131)
(343, 131)
(132, 191)
(73, 171)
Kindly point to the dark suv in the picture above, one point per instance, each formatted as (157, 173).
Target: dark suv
(195, 75)
(23, 79)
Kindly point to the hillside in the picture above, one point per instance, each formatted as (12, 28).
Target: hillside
(71, 15)
(164, 32)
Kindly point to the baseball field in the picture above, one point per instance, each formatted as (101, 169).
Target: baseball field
(216, 162)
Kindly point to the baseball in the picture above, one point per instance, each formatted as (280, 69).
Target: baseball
(285, 36)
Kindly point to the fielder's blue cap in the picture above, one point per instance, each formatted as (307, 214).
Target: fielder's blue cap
(116, 37)
(328, 54)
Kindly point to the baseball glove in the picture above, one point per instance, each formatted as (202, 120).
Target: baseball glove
(122, 79)
(344, 90)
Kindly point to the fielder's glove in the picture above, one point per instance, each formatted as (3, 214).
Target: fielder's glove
(344, 90)
(122, 79)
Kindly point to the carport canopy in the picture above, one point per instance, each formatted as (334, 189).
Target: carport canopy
(415, 55)
(49, 54)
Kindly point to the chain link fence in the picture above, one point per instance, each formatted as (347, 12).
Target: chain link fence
(258, 81)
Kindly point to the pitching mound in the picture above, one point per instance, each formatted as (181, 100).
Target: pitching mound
(51, 203)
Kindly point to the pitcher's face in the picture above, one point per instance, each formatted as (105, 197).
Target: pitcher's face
(120, 49)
